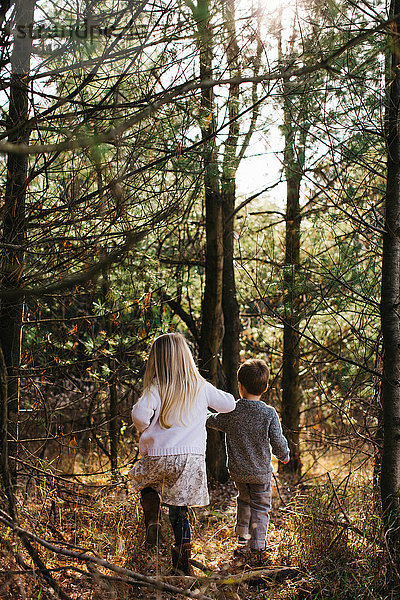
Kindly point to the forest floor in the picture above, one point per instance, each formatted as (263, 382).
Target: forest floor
(324, 527)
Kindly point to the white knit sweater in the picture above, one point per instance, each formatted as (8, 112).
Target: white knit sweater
(187, 438)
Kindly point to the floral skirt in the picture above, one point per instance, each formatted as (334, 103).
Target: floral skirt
(181, 479)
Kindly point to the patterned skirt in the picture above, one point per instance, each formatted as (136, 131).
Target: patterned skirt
(181, 479)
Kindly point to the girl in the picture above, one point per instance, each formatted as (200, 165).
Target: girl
(171, 416)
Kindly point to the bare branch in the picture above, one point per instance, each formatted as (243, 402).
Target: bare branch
(183, 89)
(87, 558)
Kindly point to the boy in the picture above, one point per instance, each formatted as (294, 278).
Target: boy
(250, 431)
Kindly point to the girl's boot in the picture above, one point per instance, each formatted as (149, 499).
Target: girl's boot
(181, 559)
(150, 502)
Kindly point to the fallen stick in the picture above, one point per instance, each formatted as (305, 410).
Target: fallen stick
(200, 566)
(83, 556)
(258, 575)
(255, 575)
(33, 553)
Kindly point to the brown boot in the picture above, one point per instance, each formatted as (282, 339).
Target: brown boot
(180, 559)
(152, 518)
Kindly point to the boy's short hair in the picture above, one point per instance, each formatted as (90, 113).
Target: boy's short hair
(253, 374)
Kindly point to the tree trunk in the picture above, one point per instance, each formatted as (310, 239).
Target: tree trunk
(220, 309)
(113, 425)
(13, 231)
(113, 395)
(230, 306)
(212, 318)
(6, 479)
(291, 395)
(390, 469)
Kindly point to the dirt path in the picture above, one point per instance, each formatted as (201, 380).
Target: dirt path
(213, 544)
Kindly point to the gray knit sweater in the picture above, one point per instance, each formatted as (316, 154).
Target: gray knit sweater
(251, 430)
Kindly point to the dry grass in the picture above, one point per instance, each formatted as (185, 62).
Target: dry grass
(309, 528)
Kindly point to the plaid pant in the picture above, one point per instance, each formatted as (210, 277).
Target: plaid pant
(253, 506)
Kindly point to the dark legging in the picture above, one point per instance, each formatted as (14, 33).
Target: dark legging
(178, 516)
(147, 490)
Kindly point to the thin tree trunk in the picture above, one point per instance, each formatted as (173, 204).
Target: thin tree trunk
(220, 309)
(113, 395)
(232, 157)
(390, 469)
(13, 229)
(230, 306)
(291, 395)
(212, 317)
(113, 425)
(113, 429)
(212, 320)
(6, 479)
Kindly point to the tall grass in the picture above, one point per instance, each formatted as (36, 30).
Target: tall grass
(333, 532)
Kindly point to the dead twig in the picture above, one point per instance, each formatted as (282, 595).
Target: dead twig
(340, 505)
(254, 576)
(40, 566)
(278, 489)
(200, 566)
(346, 525)
(83, 556)
(258, 575)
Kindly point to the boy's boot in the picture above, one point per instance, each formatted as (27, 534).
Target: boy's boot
(152, 519)
(180, 559)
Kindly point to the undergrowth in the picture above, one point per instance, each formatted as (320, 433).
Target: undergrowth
(333, 532)
(329, 529)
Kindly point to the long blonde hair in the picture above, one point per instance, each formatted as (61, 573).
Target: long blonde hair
(171, 363)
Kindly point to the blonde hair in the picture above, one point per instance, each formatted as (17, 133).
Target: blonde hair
(171, 363)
